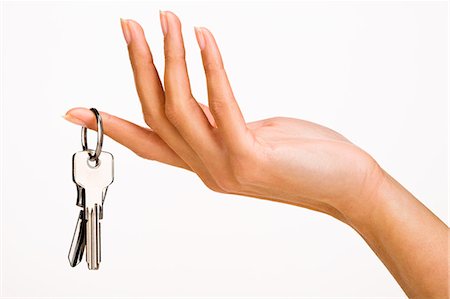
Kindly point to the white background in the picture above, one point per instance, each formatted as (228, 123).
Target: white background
(375, 72)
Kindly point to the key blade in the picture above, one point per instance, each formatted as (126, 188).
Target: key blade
(93, 240)
(78, 241)
(93, 211)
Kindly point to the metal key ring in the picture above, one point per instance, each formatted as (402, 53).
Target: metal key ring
(98, 148)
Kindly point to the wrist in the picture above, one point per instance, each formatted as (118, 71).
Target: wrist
(360, 208)
(375, 207)
(409, 239)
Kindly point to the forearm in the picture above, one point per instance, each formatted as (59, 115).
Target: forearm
(409, 239)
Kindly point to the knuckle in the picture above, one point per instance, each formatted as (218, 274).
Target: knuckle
(228, 185)
(141, 57)
(243, 168)
(219, 103)
(214, 187)
(174, 56)
(273, 121)
(152, 118)
(171, 112)
(177, 109)
(211, 184)
(148, 119)
(144, 154)
(213, 66)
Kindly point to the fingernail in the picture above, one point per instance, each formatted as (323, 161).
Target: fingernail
(163, 19)
(200, 37)
(125, 30)
(74, 120)
(80, 116)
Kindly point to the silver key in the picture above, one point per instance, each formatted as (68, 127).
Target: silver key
(78, 241)
(81, 196)
(94, 177)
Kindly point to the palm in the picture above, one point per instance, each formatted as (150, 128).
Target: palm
(312, 161)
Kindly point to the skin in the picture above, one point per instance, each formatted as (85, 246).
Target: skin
(281, 159)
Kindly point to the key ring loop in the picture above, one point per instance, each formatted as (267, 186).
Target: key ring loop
(98, 148)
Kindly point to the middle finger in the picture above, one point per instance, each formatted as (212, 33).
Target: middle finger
(152, 97)
(181, 108)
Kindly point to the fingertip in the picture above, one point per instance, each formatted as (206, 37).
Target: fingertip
(79, 116)
(209, 43)
(200, 37)
(73, 120)
(209, 37)
(138, 46)
(204, 29)
(163, 20)
(212, 59)
(171, 15)
(134, 27)
(125, 30)
(172, 22)
(84, 117)
(133, 22)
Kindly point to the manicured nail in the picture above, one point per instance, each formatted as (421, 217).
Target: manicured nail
(74, 120)
(81, 116)
(125, 30)
(163, 19)
(200, 37)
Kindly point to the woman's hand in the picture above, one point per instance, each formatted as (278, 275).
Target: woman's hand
(281, 159)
